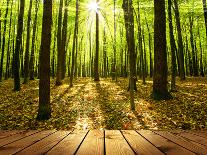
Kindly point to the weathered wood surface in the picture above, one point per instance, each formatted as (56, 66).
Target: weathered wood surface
(100, 142)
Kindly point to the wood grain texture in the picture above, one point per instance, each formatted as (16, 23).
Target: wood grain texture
(23, 143)
(193, 137)
(93, 143)
(139, 144)
(68, 145)
(196, 148)
(116, 144)
(16, 137)
(164, 144)
(7, 133)
(45, 144)
(109, 142)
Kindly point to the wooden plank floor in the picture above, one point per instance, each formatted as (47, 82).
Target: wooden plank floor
(110, 142)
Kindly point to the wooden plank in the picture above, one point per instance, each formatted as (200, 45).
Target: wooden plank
(201, 133)
(45, 144)
(164, 144)
(16, 137)
(7, 133)
(139, 144)
(68, 145)
(116, 144)
(192, 137)
(196, 148)
(93, 143)
(23, 143)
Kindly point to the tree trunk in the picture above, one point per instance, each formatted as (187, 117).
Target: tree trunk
(26, 58)
(4, 40)
(59, 47)
(104, 54)
(173, 47)
(205, 14)
(74, 44)
(113, 70)
(7, 74)
(32, 57)
(96, 59)
(64, 38)
(18, 46)
(195, 68)
(129, 25)
(44, 111)
(160, 90)
(180, 42)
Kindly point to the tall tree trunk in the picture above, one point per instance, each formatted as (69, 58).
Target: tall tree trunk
(32, 56)
(96, 59)
(150, 49)
(64, 39)
(201, 55)
(59, 46)
(104, 54)
(113, 69)
(26, 58)
(0, 28)
(205, 14)
(8, 43)
(129, 25)
(4, 40)
(180, 42)
(160, 90)
(195, 68)
(18, 46)
(44, 111)
(74, 44)
(173, 47)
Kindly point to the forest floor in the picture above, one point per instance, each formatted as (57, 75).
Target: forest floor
(105, 105)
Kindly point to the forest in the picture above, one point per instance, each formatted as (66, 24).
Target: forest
(113, 64)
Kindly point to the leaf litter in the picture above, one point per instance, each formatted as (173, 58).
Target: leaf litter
(105, 105)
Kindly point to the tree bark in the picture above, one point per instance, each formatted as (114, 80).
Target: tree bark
(74, 44)
(32, 56)
(160, 90)
(96, 59)
(129, 25)
(205, 14)
(180, 42)
(26, 58)
(173, 47)
(59, 46)
(44, 111)
(4, 40)
(18, 46)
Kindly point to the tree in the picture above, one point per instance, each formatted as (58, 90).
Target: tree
(18, 45)
(32, 56)
(74, 43)
(129, 25)
(4, 41)
(205, 14)
(160, 90)
(113, 68)
(96, 64)
(26, 58)
(59, 46)
(180, 42)
(44, 111)
(173, 47)
(64, 39)
(9, 47)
